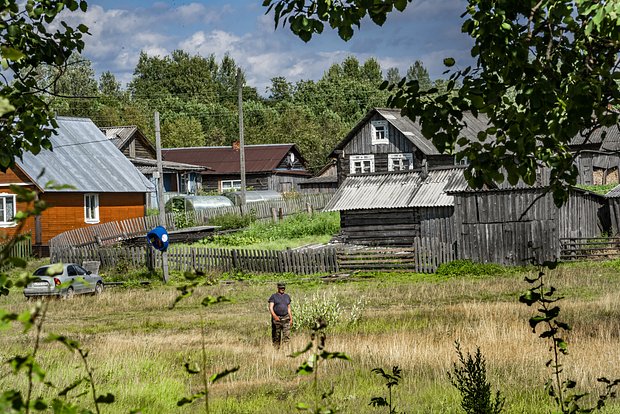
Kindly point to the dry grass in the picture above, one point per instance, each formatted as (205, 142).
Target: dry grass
(138, 346)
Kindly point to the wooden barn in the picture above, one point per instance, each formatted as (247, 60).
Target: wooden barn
(105, 186)
(277, 167)
(385, 141)
(598, 157)
(510, 225)
(391, 209)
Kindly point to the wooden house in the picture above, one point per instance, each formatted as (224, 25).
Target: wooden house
(277, 167)
(105, 186)
(385, 141)
(179, 178)
(325, 181)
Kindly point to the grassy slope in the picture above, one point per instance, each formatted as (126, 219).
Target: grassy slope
(138, 346)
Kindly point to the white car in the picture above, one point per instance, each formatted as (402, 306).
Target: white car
(63, 281)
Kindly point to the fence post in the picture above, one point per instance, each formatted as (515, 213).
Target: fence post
(309, 209)
(235, 259)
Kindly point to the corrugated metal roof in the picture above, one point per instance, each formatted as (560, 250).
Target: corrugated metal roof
(83, 157)
(166, 165)
(614, 192)
(394, 190)
(611, 142)
(459, 184)
(225, 160)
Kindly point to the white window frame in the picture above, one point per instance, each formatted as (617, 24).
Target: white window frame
(232, 183)
(380, 132)
(397, 160)
(91, 208)
(6, 221)
(365, 164)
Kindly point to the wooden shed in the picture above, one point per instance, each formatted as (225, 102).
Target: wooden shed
(391, 209)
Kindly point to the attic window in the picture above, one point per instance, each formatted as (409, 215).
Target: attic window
(379, 131)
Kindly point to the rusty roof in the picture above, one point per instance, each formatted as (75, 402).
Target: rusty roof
(225, 160)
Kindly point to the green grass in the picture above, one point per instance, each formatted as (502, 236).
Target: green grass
(138, 346)
(293, 231)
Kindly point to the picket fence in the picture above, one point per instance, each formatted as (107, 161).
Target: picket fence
(423, 257)
(199, 259)
(113, 232)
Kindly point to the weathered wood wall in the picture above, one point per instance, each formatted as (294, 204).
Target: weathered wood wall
(396, 227)
(518, 226)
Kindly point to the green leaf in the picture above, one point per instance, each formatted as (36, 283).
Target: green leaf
(11, 53)
(449, 62)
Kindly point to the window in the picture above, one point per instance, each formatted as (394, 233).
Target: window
(400, 162)
(7, 210)
(379, 132)
(91, 208)
(362, 164)
(230, 185)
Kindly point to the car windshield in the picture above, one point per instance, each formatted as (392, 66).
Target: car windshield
(42, 271)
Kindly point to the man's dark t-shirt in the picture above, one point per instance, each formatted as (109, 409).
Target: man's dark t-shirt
(280, 303)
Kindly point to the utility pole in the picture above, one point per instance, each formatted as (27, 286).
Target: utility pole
(241, 144)
(160, 193)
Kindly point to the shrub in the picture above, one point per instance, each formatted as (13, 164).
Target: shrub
(470, 378)
(467, 267)
(327, 308)
(232, 221)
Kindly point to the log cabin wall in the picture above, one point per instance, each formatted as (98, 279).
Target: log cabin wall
(396, 227)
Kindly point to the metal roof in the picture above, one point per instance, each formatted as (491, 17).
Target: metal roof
(611, 142)
(84, 158)
(458, 183)
(614, 192)
(119, 134)
(225, 160)
(394, 190)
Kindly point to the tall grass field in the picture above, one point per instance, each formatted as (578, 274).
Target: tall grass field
(138, 345)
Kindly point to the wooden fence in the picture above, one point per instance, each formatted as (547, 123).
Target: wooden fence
(205, 259)
(113, 232)
(589, 248)
(424, 256)
(21, 249)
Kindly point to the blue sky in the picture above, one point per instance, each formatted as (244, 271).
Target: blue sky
(429, 30)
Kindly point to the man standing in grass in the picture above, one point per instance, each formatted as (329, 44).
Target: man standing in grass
(281, 317)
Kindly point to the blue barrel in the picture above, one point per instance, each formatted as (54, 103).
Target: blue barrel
(158, 238)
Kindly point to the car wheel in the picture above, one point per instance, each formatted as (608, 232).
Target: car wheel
(69, 293)
(98, 288)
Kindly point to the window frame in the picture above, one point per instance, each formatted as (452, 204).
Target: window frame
(375, 132)
(400, 157)
(362, 159)
(89, 198)
(4, 221)
(232, 188)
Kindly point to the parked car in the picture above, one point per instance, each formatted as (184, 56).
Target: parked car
(63, 281)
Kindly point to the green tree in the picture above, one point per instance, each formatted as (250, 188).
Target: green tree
(393, 75)
(73, 89)
(108, 85)
(28, 40)
(182, 131)
(558, 57)
(418, 72)
(280, 89)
